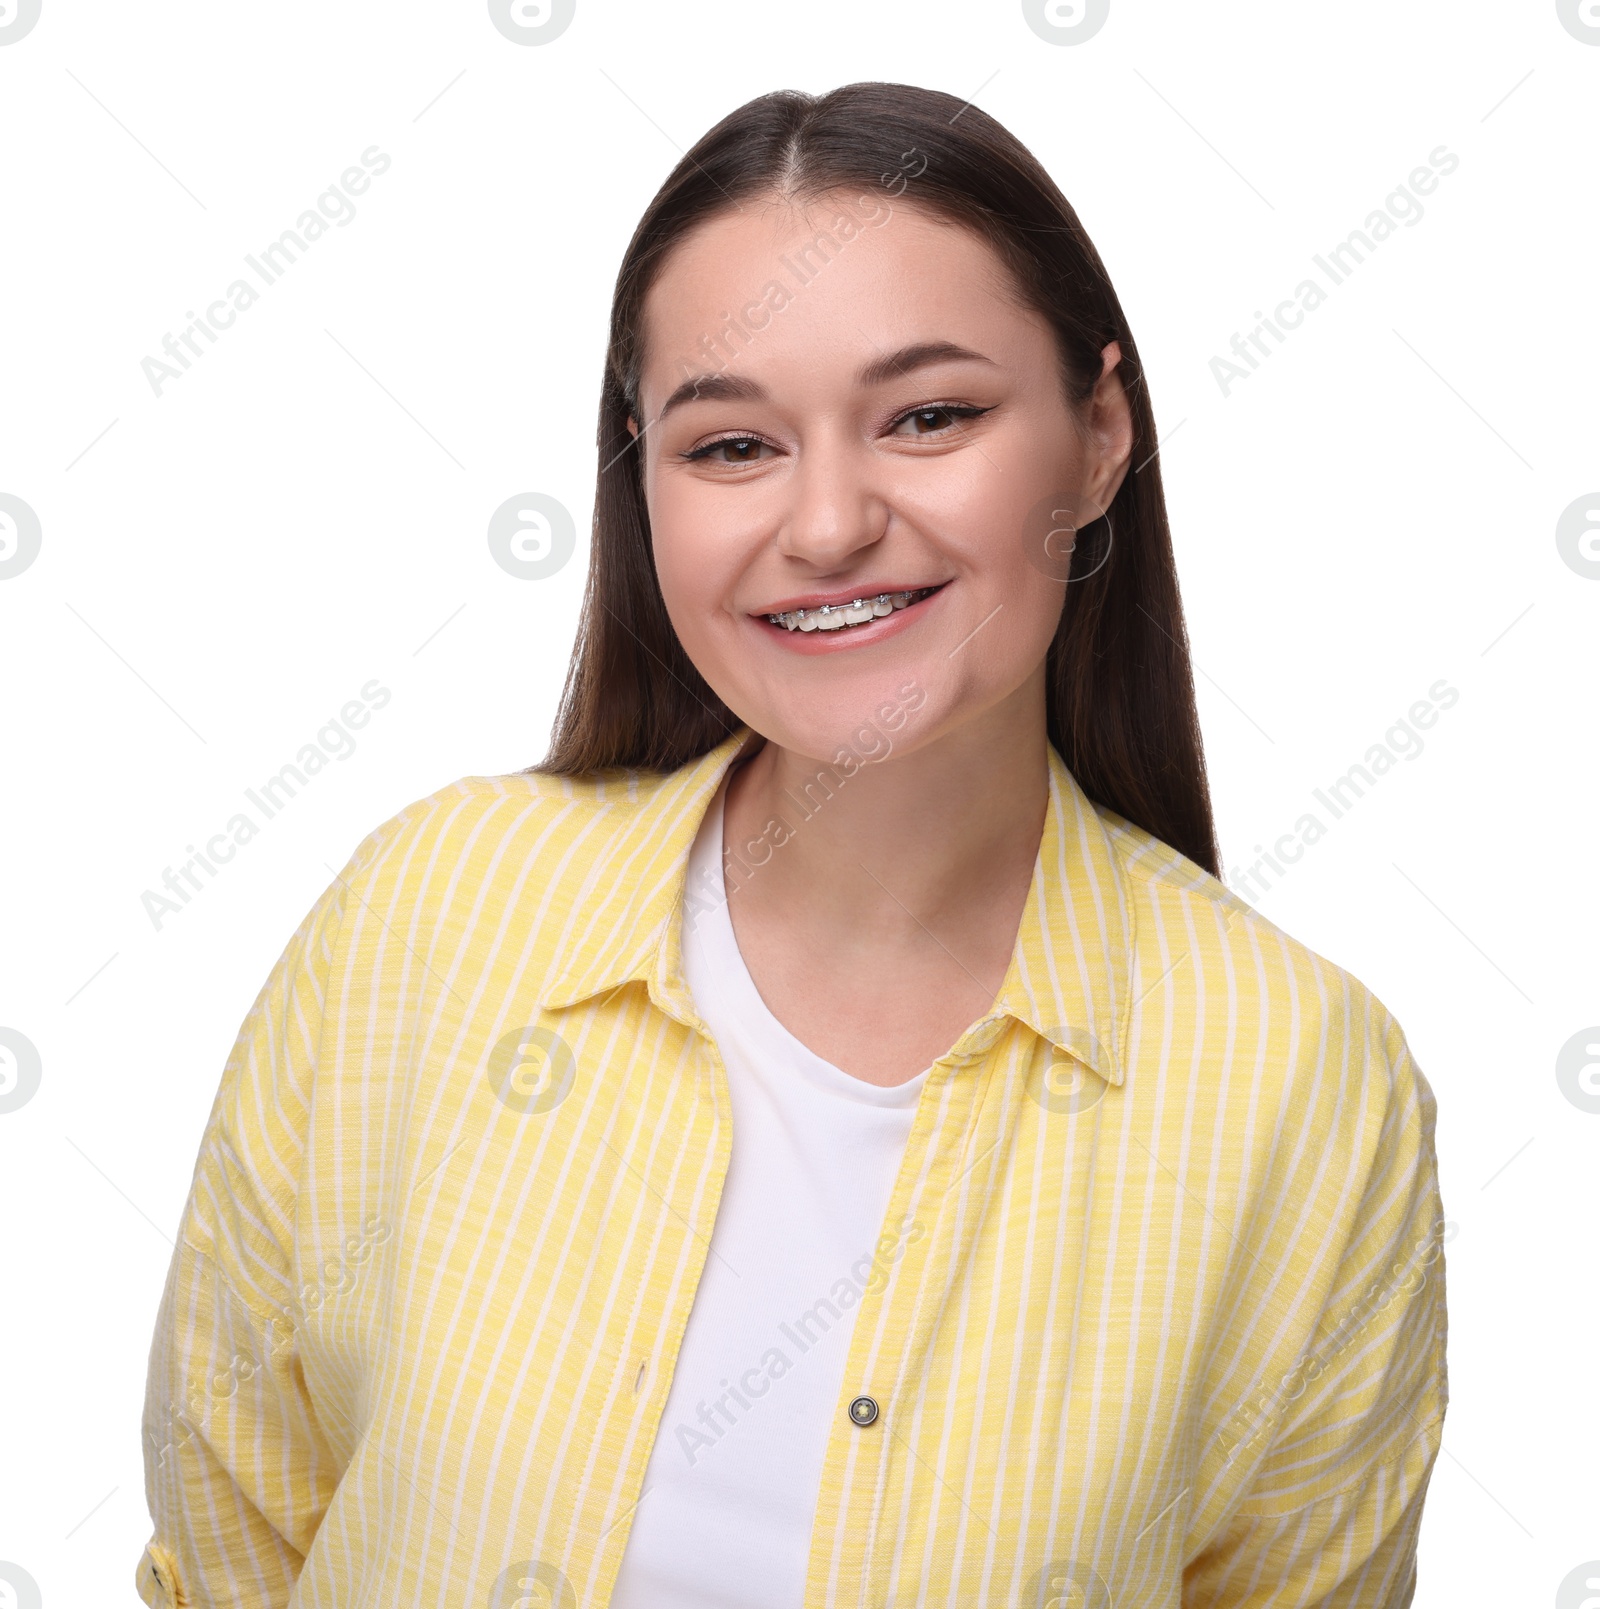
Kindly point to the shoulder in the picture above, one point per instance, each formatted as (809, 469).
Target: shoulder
(482, 827)
(1328, 1035)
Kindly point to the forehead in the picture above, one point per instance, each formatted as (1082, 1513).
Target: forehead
(779, 284)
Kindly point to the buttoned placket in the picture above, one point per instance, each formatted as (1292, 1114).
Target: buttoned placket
(863, 1435)
(862, 1448)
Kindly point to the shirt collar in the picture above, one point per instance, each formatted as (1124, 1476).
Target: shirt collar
(1070, 968)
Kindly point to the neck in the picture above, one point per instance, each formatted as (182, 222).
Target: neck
(932, 847)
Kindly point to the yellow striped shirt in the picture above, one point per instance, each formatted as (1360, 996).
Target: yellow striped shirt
(1158, 1314)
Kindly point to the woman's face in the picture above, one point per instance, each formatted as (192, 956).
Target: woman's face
(847, 400)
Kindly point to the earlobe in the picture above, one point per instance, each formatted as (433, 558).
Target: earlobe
(633, 427)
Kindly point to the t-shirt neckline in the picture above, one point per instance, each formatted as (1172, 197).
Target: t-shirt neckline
(713, 929)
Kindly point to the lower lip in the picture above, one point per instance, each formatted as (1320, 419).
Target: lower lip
(871, 631)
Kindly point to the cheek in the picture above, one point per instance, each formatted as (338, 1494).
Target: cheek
(1030, 611)
(696, 549)
(982, 513)
(1031, 533)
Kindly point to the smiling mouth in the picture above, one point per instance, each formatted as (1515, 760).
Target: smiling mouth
(842, 616)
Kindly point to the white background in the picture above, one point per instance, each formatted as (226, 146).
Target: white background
(225, 565)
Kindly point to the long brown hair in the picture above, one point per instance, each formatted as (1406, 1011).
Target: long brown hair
(1120, 692)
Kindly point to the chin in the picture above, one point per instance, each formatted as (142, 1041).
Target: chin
(853, 734)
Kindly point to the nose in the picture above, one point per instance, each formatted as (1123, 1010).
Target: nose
(834, 509)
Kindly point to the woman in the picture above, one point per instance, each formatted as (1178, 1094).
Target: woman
(825, 1136)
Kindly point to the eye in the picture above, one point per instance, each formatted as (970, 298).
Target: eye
(739, 450)
(937, 419)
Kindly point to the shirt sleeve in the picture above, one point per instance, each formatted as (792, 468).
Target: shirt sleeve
(1340, 1439)
(238, 1468)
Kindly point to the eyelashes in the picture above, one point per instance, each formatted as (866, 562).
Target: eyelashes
(958, 412)
(710, 447)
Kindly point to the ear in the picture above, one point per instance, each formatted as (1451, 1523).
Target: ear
(1110, 418)
(633, 427)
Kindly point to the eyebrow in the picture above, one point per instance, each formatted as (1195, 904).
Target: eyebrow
(711, 387)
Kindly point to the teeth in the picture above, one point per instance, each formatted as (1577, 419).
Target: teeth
(838, 616)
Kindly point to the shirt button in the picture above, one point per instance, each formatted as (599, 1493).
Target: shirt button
(863, 1410)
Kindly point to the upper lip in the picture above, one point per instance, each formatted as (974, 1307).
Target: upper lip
(866, 589)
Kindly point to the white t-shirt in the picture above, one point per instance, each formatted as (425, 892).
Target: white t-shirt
(724, 1521)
